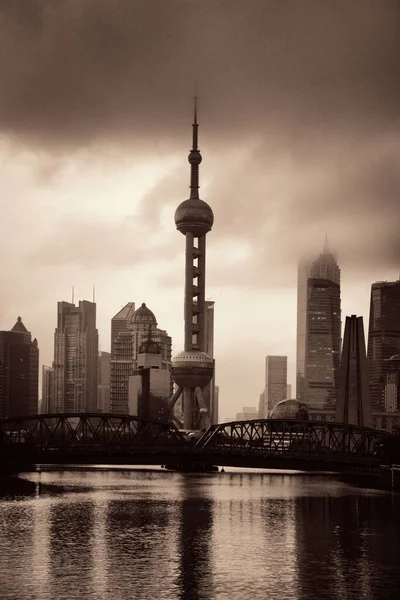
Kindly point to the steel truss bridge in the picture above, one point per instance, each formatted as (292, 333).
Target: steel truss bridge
(124, 439)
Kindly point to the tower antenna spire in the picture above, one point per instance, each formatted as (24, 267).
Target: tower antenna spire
(194, 156)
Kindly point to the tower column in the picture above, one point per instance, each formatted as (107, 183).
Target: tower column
(189, 292)
(202, 285)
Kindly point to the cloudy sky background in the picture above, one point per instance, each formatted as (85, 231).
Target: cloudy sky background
(299, 130)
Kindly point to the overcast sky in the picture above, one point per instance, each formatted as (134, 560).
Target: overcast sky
(299, 110)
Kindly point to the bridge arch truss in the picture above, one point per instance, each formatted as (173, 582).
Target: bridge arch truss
(86, 433)
(313, 440)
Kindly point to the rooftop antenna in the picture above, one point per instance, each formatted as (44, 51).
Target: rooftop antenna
(326, 245)
(73, 295)
(94, 294)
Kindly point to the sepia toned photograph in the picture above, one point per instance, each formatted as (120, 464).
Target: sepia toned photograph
(200, 300)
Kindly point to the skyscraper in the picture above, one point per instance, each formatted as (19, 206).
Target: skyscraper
(76, 346)
(19, 372)
(383, 337)
(121, 358)
(210, 397)
(129, 329)
(319, 334)
(47, 389)
(193, 369)
(391, 370)
(353, 405)
(275, 382)
(103, 392)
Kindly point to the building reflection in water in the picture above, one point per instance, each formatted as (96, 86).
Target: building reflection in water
(195, 578)
(71, 525)
(345, 545)
(114, 536)
(41, 546)
(254, 538)
(140, 526)
(100, 569)
(16, 549)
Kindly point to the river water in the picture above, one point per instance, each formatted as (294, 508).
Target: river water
(139, 534)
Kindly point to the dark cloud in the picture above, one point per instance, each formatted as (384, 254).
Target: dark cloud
(79, 71)
(299, 112)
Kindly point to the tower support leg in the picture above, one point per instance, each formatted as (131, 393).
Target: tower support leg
(204, 414)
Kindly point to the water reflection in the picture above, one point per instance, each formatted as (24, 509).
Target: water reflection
(351, 545)
(71, 526)
(195, 539)
(106, 536)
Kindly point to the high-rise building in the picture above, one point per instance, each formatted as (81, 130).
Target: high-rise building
(19, 372)
(318, 334)
(383, 337)
(47, 389)
(129, 329)
(261, 405)
(76, 347)
(209, 393)
(248, 413)
(193, 369)
(103, 391)
(275, 382)
(391, 369)
(215, 413)
(150, 384)
(121, 358)
(353, 405)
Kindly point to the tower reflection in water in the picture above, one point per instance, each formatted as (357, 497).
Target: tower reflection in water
(195, 579)
(142, 530)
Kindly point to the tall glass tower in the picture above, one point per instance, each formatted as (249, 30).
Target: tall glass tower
(383, 339)
(318, 333)
(76, 349)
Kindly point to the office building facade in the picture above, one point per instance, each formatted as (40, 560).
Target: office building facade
(209, 392)
(76, 346)
(130, 328)
(318, 334)
(383, 340)
(275, 382)
(104, 372)
(19, 372)
(150, 384)
(47, 389)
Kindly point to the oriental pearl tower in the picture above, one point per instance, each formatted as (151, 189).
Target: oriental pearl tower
(193, 369)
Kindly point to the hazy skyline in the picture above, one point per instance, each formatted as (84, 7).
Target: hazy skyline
(299, 132)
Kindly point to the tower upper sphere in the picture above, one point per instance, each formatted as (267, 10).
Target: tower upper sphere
(194, 215)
